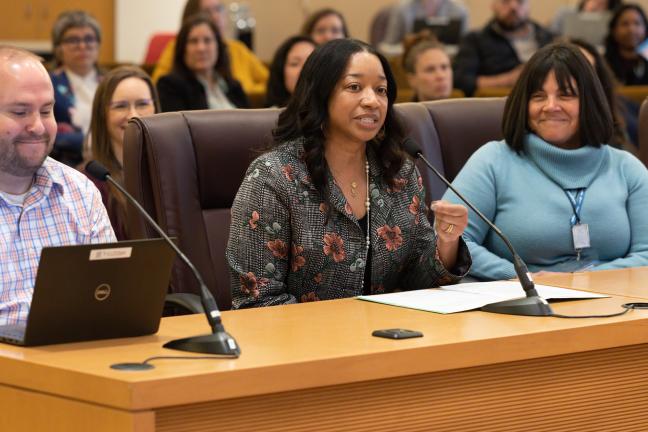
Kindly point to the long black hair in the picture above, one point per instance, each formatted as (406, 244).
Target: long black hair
(276, 93)
(307, 113)
(596, 126)
(611, 45)
(609, 84)
(222, 66)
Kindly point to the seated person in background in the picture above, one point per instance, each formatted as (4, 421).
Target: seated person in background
(285, 69)
(201, 77)
(428, 68)
(245, 66)
(42, 202)
(566, 200)
(625, 112)
(325, 25)
(494, 56)
(336, 209)
(402, 17)
(75, 41)
(557, 25)
(124, 93)
(628, 28)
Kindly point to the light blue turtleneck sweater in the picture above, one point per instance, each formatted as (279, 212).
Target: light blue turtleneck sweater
(524, 195)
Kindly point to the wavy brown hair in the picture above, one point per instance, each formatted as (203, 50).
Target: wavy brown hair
(102, 149)
(313, 19)
(222, 66)
(192, 7)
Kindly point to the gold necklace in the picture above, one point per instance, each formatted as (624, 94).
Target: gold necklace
(354, 187)
(353, 184)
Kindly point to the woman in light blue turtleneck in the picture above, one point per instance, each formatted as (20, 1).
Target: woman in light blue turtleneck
(566, 201)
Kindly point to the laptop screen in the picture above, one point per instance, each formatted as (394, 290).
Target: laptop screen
(99, 291)
(447, 30)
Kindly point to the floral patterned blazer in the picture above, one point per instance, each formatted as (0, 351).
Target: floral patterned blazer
(289, 244)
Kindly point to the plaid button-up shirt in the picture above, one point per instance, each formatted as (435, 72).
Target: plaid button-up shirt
(62, 208)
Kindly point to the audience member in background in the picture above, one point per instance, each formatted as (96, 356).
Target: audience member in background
(325, 25)
(428, 68)
(201, 77)
(246, 68)
(124, 93)
(628, 28)
(625, 112)
(402, 17)
(495, 55)
(42, 202)
(75, 40)
(285, 69)
(558, 23)
(336, 209)
(566, 200)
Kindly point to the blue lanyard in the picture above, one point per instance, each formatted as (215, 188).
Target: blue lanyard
(576, 202)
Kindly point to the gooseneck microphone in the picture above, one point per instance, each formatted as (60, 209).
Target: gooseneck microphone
(532, 304)
(219, 342)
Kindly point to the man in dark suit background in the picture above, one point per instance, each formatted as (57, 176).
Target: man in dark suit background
(494, 55)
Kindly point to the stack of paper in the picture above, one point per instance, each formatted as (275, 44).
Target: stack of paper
(463, 297)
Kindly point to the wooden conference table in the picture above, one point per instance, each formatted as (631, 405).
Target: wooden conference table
(315, 366)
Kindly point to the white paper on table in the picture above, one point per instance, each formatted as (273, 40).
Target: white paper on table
(464, 297)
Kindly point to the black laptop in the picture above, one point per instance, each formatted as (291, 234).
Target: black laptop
(447, 30)
(591, 27)
(96, 291)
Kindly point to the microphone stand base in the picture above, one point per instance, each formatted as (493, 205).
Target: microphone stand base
(527, 306)
(218, 343)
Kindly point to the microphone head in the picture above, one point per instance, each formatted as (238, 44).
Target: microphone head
(411, 147)
(96, 170)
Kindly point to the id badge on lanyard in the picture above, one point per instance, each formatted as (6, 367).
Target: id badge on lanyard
(580, 231)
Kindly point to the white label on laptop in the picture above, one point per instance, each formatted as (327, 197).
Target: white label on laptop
(112, 253)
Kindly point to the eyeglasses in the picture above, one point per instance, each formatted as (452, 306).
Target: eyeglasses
(76, 41)
(142, 106)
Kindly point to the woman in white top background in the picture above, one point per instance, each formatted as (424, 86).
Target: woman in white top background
(76, 38)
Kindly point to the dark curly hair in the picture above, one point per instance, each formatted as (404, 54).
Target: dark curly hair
(307, 110)
(276, 92)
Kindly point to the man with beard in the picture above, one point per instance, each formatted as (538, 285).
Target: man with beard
(42, 202)
(494, 55)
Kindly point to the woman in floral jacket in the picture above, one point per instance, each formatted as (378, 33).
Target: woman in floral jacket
(336, 210)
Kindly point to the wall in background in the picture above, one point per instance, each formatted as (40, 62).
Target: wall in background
(137, 20)
(277, 19)
(28, 23)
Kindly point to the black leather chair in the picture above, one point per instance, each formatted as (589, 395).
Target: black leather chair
(418, 126)
(186, 167)
(462, 126)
